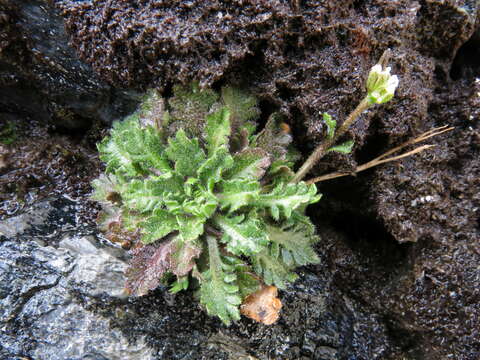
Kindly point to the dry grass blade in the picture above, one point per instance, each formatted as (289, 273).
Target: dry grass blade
(384, 158)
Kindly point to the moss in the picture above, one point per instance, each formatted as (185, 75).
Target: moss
(8, 133)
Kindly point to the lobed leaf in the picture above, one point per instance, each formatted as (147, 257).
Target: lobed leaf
(210, 172)
(344, 148)
(270, 266)
(147, 266)
(185, 153)
(158, 225)
(148, 194)
(294, 244)
(217, 130)
(235, 194)
(250, 163)
(286, 197)
(219, 291)
(131, 149)
(331, 125)
(243, 235)
(188, 108)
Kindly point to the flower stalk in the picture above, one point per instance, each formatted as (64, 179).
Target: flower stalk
(381, 86)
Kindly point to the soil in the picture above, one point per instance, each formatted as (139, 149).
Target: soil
(410, 251)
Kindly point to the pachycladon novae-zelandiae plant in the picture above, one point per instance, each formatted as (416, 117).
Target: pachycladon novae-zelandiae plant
(209, 200)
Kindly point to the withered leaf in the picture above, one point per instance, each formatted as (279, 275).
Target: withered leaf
(262, 306)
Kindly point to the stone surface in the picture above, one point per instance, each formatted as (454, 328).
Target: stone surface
(41, 315)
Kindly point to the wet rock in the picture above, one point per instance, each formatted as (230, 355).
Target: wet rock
(41, 76)
(40, 314)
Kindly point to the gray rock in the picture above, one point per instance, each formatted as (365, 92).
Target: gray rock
(41, 315)
(96, 271)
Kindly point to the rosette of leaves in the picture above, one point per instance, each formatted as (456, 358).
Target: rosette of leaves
(206, 200)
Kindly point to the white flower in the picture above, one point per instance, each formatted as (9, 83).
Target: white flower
(381, 85)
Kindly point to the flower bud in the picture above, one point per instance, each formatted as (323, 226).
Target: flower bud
(381, 85)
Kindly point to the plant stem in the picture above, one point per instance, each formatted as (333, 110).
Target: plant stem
(322, 149)
(384, 157)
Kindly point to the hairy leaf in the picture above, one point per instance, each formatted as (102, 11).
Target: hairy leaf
(147, 266)
(185, 153)
(182, 259)
(217, 130)
(148, 194)
(294, 244)
(243, 107)
(190, 227)
(158, 225)
(210, 172)
(234, 194)
(107, 189)
(131, 149)
(271, 267)
(152, 112)
(219, 292)
(243, 235)
(273, 139)
(285, 198)
(188, 108)
(331, 125)
(344, 148)
(249, 164)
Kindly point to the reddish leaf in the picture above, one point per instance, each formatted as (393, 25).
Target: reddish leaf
(147, 266)
(182, 260)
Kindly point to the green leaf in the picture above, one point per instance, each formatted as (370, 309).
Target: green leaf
(273, 139)
(249, 164)
(148, 194)
(210, 172)
(200, 205)
(189, 106)
(185, 153)
(179, 285)
(331, 125)
(107, 189)
(243, 235)
(285, 198)
(152, 112)
(158, 225)
(345, 148)
(219, 292)
(217, 129)
(234, 194)
(190, 227)
(281, 172)
(247, 283)
(295, 244)
(243, 106)
(271, 267)
(132, 149)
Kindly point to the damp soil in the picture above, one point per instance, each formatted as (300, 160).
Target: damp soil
(43, 161)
